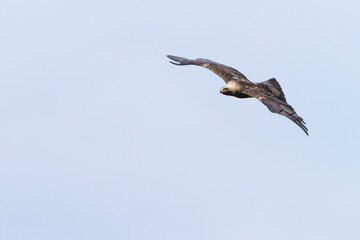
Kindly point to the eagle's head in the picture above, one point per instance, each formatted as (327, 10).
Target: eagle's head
(226, 91)
(230, 88)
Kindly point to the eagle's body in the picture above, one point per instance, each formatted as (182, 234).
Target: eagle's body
(268, 92)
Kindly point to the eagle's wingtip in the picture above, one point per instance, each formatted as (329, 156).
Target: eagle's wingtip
(179, 60)
(174, 63)
(175, 58)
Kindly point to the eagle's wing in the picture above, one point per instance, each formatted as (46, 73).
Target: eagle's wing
(282, 108)
(271, 95)
(225, 72)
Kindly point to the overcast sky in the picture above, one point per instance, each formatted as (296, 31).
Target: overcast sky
(102, 138)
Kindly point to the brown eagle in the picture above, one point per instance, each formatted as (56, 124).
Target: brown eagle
(268, 92)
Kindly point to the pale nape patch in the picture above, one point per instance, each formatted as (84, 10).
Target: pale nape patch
(232, 86)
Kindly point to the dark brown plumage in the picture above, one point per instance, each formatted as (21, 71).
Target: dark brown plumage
(268, 92)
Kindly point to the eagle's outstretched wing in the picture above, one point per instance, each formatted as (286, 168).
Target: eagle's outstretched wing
(271, 95)
(283, 108)
(225, 72)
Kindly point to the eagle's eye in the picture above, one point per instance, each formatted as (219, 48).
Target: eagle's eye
(224, 89)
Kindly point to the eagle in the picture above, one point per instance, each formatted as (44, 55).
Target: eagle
(268, 92)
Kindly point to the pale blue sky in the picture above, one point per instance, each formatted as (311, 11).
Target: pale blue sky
(102, 138)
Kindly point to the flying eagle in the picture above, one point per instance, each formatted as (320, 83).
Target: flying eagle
(268, 92)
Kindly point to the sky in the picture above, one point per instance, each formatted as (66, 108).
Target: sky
(102, 138)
